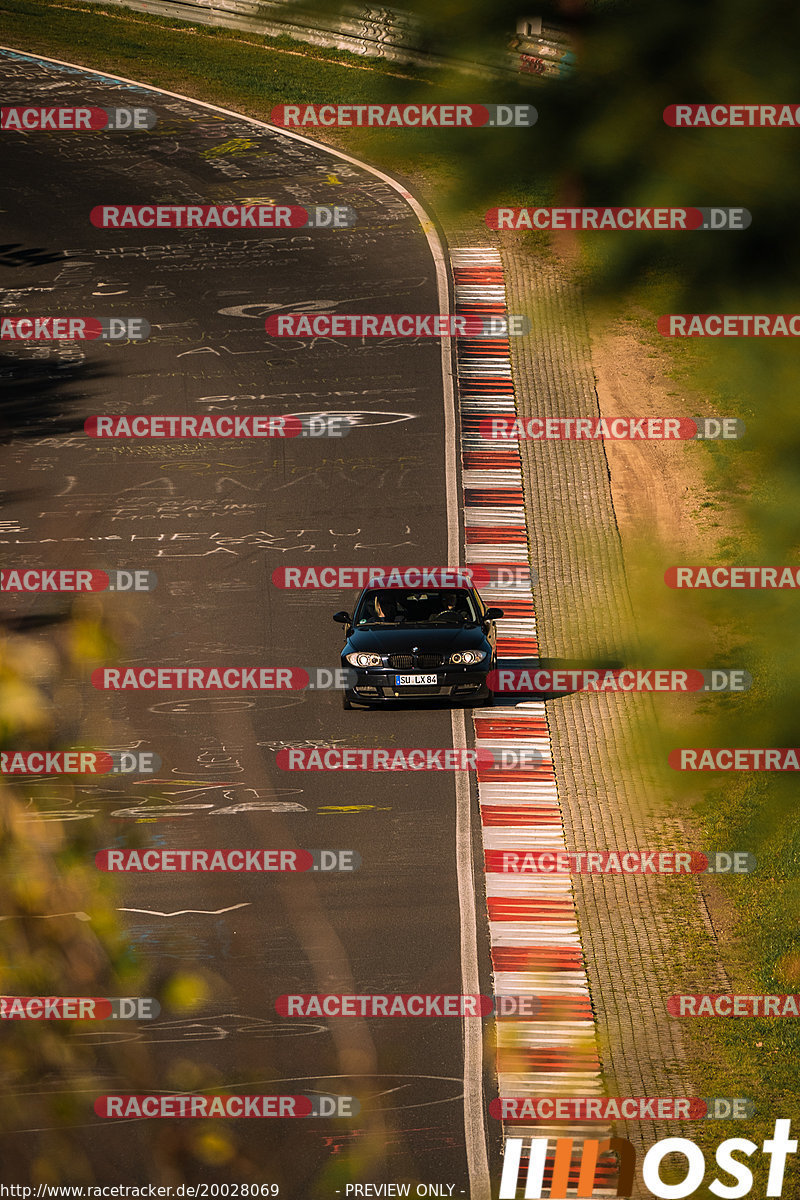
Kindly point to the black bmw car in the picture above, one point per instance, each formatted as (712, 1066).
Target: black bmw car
(406, 644)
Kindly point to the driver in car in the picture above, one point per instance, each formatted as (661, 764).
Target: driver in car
(452, 610)
(385, 610)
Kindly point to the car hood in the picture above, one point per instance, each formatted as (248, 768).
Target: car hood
(401, 640)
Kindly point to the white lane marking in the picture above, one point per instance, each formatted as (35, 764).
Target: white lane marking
(474, 1120)
(181, 912)
(474, 1127)
(474, 1123)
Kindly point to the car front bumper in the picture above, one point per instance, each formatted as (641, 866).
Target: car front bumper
(377, 686)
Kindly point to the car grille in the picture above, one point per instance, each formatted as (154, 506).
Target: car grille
(418, 692)
(406, 662)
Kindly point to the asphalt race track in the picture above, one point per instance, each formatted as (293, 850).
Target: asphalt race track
(214, 519)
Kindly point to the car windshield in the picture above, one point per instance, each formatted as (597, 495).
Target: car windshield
(429, 607)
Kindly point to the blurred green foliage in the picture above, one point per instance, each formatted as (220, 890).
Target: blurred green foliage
(60, 932)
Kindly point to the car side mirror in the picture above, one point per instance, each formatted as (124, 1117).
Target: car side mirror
(342, 617)
(494, 614)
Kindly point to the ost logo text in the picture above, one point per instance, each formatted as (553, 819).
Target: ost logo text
(778, 1147)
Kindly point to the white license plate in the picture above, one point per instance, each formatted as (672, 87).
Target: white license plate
(410, 680)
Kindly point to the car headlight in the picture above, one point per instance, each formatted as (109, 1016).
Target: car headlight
(361, 659)
(467, 657)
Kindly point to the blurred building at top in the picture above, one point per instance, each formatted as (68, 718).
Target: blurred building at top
(540, 49)
(384, 33)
